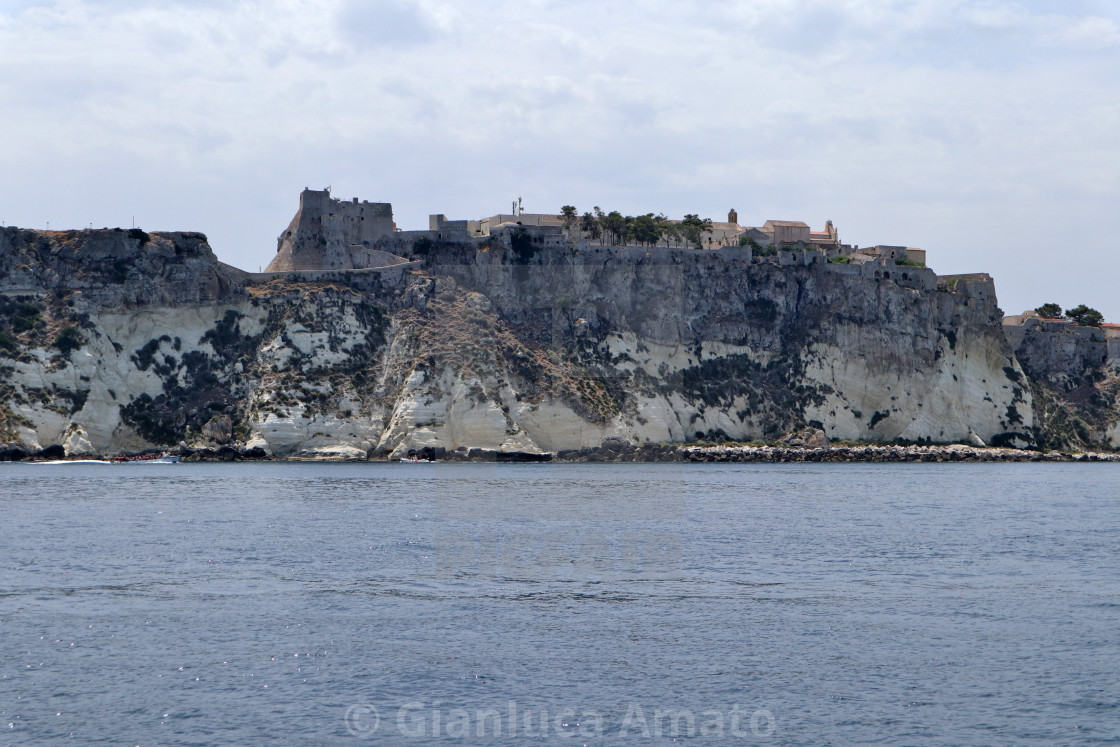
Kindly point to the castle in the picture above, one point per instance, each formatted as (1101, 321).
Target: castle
(331, 234)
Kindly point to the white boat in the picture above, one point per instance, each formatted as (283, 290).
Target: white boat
(159, 460)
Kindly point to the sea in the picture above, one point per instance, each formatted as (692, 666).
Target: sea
(598, 604)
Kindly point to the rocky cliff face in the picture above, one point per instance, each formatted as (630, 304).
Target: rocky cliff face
(689, 345)
(1075, 386)
(117, 340)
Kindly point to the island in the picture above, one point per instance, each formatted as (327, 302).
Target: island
(532, 336)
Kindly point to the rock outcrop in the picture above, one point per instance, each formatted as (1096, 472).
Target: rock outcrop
(1075, 385)
(114, 341)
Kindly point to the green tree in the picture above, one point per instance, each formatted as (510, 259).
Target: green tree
(615, 225)
(661, 225)
(1085, 316)
(1049, 311)
(692, 226)
(568, 216)
(645, 230)
(589, 225)
(672, 233)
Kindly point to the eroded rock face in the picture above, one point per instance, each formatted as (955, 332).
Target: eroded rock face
(1075, 384)
(475, 351)
(706, 347)
(116, 268)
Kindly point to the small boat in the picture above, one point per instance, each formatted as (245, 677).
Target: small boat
(415, 460)
(165, 459)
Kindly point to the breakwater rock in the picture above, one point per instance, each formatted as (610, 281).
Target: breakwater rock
(853, 453)
(223, 454)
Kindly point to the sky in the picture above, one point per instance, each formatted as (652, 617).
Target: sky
(985, 132)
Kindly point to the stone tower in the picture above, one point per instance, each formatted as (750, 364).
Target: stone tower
(733, 217)
(326, 233)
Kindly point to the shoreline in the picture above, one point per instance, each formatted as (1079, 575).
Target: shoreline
(873, 453)
(622, 452)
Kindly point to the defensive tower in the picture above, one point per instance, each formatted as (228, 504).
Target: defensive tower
(331, 234)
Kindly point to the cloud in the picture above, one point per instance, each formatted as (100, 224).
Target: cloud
(381, 22)
(1090, 34)
(971, 128)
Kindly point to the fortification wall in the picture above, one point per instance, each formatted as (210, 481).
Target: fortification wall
(332, 235)
(921, 278)
(978, 285)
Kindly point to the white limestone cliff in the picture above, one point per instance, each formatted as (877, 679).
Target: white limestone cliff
(473, 352)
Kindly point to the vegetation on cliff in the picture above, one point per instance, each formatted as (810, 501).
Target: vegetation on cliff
(616, 229)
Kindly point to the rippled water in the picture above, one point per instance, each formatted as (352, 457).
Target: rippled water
(402, 604)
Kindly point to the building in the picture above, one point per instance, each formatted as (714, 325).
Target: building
(331, 234)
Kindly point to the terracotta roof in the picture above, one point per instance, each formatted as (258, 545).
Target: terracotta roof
(795, 223)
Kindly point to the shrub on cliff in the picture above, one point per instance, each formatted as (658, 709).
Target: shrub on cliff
(68, 340)
(522, 244)
(22, 316)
